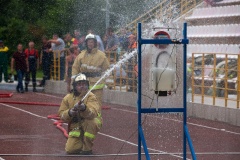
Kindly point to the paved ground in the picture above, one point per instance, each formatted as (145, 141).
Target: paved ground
(26, 133)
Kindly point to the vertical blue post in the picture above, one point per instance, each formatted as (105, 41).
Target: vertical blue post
(139, 102)
(184, 91)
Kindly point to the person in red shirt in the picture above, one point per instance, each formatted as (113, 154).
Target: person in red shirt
(32, 56)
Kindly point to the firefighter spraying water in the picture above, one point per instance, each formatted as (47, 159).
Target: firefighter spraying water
(82, 110)
(84, 119)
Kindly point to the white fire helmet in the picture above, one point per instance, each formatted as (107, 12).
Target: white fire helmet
(91, 36)
(80, 77)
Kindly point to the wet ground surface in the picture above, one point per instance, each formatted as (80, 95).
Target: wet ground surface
(26, 133)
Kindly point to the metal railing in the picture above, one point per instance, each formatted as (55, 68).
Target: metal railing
(56, 66)
(123, 78)
(164, 8)
(215, 79)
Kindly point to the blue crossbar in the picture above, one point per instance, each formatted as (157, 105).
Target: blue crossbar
(163, 41)
(161, 110)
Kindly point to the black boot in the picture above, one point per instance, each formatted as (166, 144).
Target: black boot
(86, 152)
(26, 87)
(34, 87)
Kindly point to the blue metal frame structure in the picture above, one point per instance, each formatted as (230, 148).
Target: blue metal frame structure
(186, 135)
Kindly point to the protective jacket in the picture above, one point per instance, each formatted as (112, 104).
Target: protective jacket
(92, 112)
(92, 65)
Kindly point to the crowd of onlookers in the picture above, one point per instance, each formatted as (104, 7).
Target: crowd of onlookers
(27, 61)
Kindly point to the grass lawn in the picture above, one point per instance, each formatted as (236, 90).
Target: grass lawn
(39, 72)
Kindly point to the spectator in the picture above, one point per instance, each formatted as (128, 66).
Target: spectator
(3, 61)
(58, 45)
(104, 39)
(112, 45)
(45, 60)
(132, 62)
(112, 40)
(123, 39)
(19, 59)
(69, 40)
(99, 40)
(80, 39)
(32, 65)
(132, 44)
(69, 62)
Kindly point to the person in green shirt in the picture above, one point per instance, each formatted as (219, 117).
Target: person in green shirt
(3, 61)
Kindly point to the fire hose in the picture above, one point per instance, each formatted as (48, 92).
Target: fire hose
(58, 123)
(6, 95)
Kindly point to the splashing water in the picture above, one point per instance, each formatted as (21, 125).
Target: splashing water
(126, 56)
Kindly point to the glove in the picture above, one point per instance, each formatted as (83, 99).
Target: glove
(72, 112)
(81, 107)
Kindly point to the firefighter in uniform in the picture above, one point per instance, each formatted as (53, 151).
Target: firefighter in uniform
(91, 62)
(84, 118)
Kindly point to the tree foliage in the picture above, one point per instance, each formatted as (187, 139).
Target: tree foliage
(25, 20)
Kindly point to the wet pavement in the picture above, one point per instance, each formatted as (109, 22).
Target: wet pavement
(26, 133)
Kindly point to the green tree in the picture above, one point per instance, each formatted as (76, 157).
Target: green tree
(25, 20)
